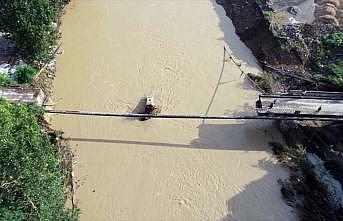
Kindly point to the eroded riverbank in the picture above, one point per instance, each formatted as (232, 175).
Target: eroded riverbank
(115, 53)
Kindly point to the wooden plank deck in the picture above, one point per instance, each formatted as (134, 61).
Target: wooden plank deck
(22, 95)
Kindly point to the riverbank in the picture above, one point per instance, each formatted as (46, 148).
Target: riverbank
(307, 57)
(37, 176)
(296, 55)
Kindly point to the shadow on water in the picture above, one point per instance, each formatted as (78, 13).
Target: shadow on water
(140, 106)
(210, 136)
(245, 109)
(259, 200)
(238, 49)
(139, 109)
(218, 83)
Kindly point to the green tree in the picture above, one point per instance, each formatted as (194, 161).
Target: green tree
(28, 24)
(31, 182)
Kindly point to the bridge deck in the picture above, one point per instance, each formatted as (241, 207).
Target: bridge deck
(22, 95)
(302, 104)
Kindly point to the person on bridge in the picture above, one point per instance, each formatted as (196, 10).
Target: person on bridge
(259, 103)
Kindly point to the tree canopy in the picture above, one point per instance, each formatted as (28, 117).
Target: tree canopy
(28, 24)
(31, 182)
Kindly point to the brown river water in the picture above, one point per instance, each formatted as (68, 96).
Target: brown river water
(115, 53)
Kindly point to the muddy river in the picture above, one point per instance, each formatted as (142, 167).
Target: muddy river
(115, 53)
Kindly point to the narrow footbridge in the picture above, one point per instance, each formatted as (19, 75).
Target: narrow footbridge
(302, 104)
(293, 105)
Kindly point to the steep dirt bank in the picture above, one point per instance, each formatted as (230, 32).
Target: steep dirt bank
(254, 31)
(295, 51)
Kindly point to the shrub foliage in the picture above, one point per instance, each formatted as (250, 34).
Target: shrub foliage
(25, 74)
(31, 183)
(6, 81)
(329, 59)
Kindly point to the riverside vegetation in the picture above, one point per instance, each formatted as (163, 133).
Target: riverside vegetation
(31, 27)
(33, 172)
(31, 180)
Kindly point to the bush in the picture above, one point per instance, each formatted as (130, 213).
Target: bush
(334, 39)
(337, 68)
(5, 81)
(25, 74)
(328, 63)
(337, 77)
(31, 183)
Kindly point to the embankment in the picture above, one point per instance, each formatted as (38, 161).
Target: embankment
(283, 47)
(314, 152)
(254, 30)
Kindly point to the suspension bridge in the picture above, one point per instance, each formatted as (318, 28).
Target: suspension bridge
(293, 105)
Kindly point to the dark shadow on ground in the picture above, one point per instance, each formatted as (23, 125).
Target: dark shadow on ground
(6, 50)
(260, 200)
